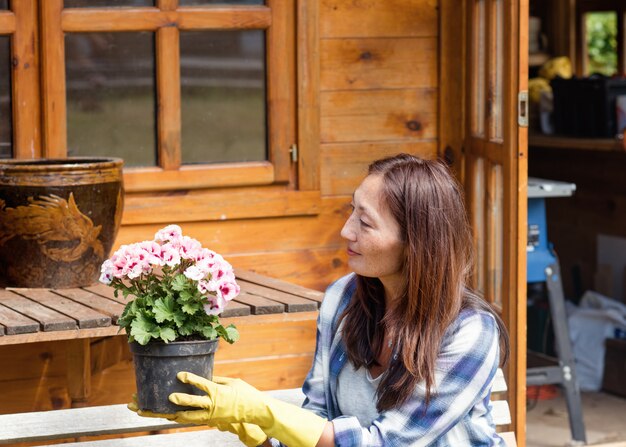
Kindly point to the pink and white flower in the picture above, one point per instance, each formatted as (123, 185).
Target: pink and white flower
(169, 233)
(216, 305)
(170, 255)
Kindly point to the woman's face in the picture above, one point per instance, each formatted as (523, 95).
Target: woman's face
(375, 248)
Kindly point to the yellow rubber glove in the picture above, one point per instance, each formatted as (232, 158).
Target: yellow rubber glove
(249, 434)
(233, 400)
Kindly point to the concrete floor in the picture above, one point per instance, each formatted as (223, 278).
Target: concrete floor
(604, 415)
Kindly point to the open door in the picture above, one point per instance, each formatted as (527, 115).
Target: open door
(495, 143)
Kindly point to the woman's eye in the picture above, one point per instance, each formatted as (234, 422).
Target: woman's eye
(363, 223)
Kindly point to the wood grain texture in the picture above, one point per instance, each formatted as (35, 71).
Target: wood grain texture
(78, 370)
(25, 82)
(258, 235)
(100, 304)
(324, 265)
(365, 64)
(7, 22)
(54, 113)
(452, 86)
(292, 303)
(281, 87)
(168, 98)
(221, 175)
(151, 19)
(260, 305)
(378, 18)
(85, 317)
(344, 165)
(49, 320)
(277, 284)
(308, 64)
(378, 115)
(218, 204)
(14, 322)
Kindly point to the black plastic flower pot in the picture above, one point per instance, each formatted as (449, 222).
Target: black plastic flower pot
(156, 366)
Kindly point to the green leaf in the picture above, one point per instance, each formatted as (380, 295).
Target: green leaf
(180, 283)
(185, 295)
(167, 334)
(190, 308)
(209, 332)
(164, 310)
(142, 329)
(232, 334)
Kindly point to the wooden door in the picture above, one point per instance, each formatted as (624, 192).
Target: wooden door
(495, 143)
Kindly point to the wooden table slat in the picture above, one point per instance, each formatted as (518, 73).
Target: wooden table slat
(99, 303)
(49, 319)
(85, 316)
(280, 285)
(15, 323)
(260, 305)
(235, 309)
(292, 303)
(105, 291)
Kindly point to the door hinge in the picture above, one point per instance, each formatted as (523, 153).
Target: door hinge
(294, 153)
(522, 108)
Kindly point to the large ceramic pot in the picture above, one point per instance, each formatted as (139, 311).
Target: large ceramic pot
(58, 220)
(156, 365)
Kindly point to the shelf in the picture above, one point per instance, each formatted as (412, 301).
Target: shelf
(559, 142)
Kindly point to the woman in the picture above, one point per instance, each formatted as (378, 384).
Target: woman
(406, 354)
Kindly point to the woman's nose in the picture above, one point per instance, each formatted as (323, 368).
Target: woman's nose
(347, 231)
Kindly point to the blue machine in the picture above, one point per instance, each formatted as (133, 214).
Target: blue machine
(543, 266)
(539, 250)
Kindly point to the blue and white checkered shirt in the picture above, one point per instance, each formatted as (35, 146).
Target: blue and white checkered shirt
(459, 413)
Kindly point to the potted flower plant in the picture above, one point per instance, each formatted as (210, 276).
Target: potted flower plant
(176, 290)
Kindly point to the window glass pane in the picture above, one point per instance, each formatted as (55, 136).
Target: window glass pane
(103, 3)
(601, 32)
(220, 2)
(478, 69)
(496, 112)
(111, 96)
(6, 119)
(223, 96)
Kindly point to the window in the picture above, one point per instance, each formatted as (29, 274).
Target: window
(192, 94)
(600, 37)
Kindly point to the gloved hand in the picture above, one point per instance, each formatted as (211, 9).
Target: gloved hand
(249, 434)
(233, 400)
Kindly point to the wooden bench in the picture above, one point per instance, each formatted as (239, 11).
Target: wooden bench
(117, 419)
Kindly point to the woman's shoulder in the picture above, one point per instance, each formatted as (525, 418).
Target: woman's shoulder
(474, 321)
(338, 294)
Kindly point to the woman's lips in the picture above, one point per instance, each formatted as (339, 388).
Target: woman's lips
(352, 253)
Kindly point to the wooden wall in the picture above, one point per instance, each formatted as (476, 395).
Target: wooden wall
(378, 96)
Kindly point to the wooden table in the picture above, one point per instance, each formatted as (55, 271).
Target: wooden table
(77, 316)
(35, 315)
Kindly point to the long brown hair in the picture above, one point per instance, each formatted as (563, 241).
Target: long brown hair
(428, 205)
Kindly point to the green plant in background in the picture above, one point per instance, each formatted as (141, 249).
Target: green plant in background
(601, 33)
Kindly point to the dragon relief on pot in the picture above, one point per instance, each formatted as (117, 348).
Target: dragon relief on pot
(62, 232)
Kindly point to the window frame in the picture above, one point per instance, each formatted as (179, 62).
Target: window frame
(585, 6)
(285, 112)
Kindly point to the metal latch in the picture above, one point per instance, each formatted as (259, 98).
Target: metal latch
(294, 153)
(522, 108)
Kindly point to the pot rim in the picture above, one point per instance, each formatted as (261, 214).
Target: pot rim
(60, 164)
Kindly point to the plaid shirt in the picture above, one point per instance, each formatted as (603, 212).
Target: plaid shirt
(459, 413)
